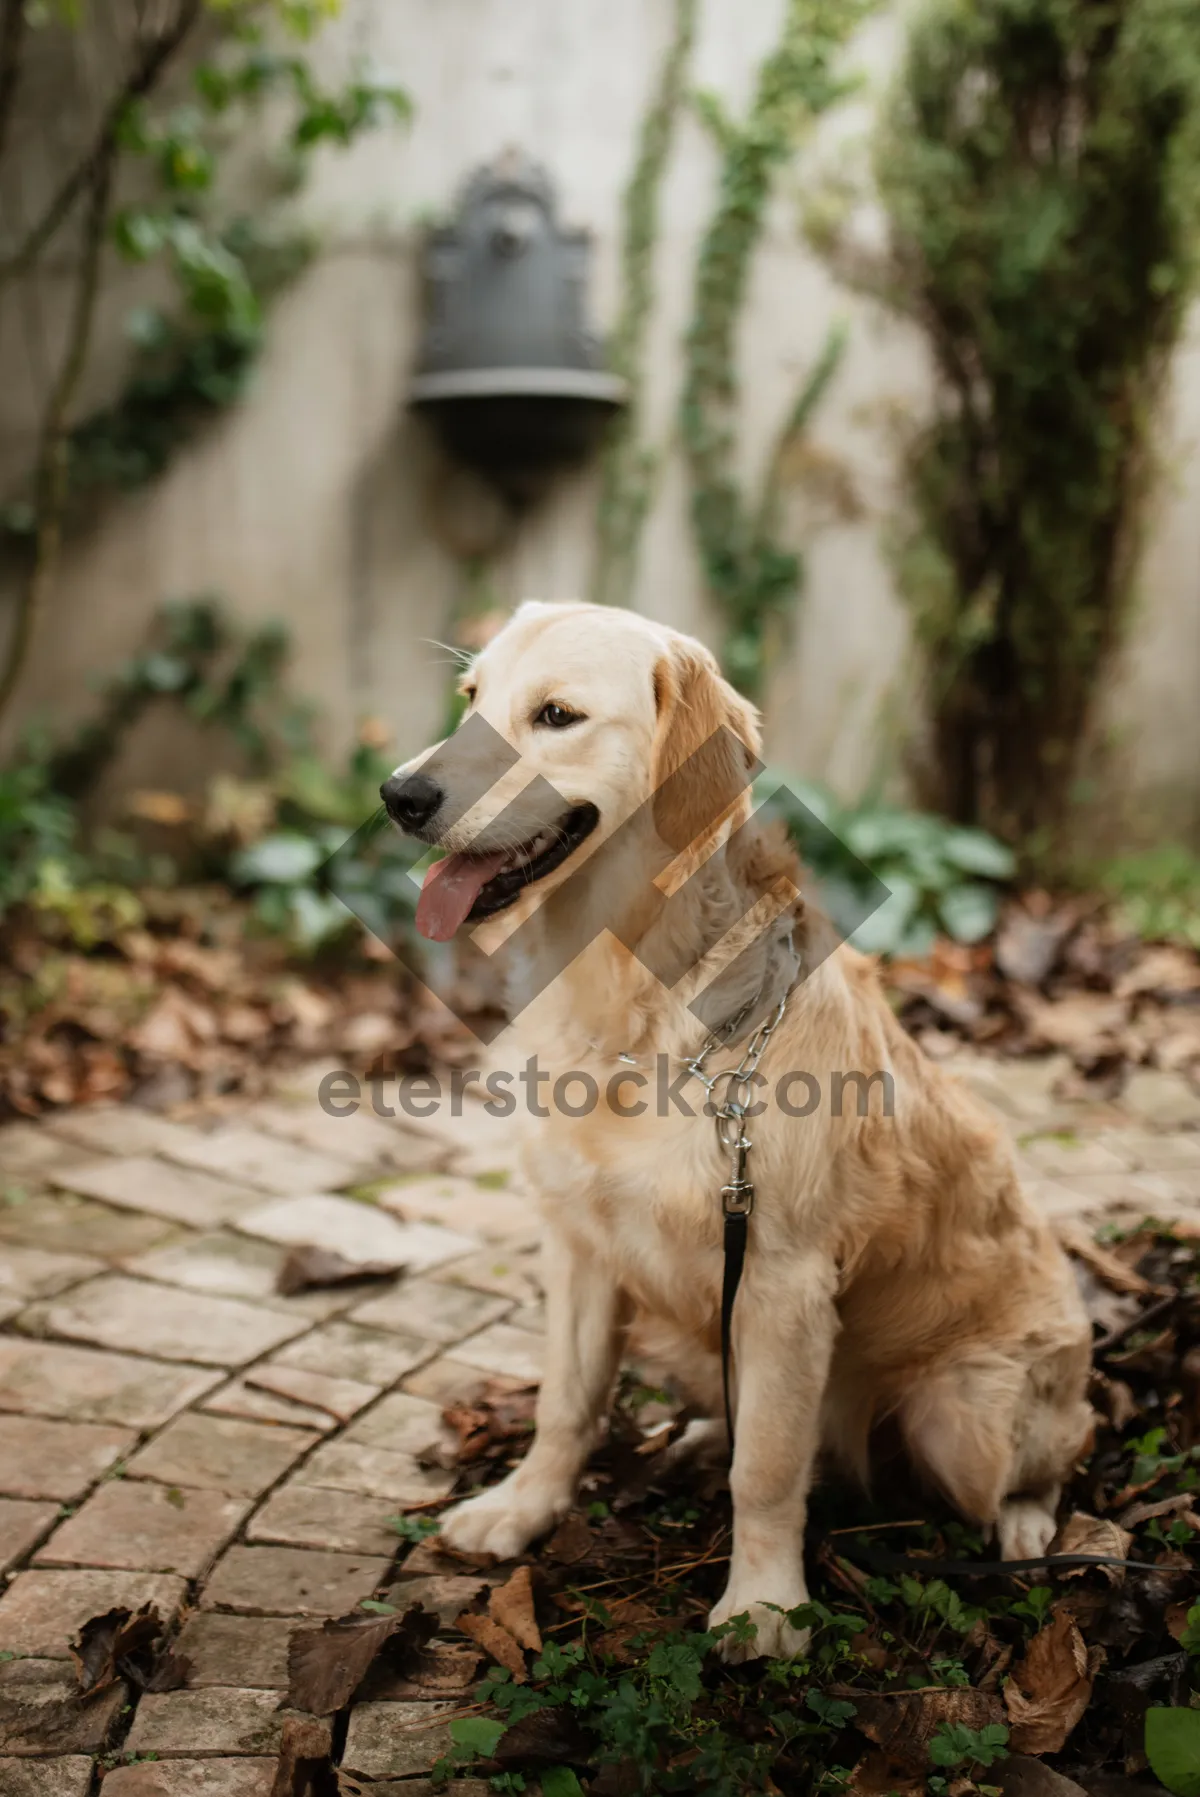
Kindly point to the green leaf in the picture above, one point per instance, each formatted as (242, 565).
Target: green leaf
(278, 860)
(883, 931)
(560, 1781)
(477, 1734)
(975, 852)
(1173, 1749)
(969, 911)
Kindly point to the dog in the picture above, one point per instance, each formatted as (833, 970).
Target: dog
(895, 1272)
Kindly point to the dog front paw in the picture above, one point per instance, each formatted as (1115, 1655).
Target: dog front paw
(766, 1632)
(502, 1521)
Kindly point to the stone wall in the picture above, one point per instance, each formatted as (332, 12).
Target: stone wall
(322, 501)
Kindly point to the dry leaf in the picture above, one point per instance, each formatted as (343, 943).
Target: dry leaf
(1078, 1241)
(1084, 1534)
(511, 1606)
(571, 1542)
(495, 1641)
(904, 1722)
(126, 1644)
(876, 1775)
(326, 1665)
(1050, 1687)
(1088, 1025)
(314, 1269)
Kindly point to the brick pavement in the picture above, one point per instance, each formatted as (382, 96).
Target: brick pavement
(173, 1430)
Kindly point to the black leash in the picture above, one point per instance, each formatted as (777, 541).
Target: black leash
(736, 1232)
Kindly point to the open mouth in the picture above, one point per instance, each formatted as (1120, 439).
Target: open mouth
(467, 887)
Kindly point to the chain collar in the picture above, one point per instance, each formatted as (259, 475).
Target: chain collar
(730, 1108)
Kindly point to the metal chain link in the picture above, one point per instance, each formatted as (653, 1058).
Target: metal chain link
(737, 1195)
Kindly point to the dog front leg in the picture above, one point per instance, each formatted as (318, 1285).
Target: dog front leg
(584, 1318)
(784, 1328)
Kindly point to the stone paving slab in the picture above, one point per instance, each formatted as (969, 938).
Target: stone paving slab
(31, 1150)
(258, 1406)
(67, 1777)
(193, 1778)
(393, 1740)
(46, 1721)
(221, 1453)
(346, 1522)
(377, 1146)
(118, 1129)
(232, 1266)
(134, 1525)
(376, 1472)
(50, 1379)
(348, 1351)
(44, 1459)
(236, 1650)
(249, 1156)
(432, 1309)
(459, 1204)
(143, 1183)
(23, 1523)
(503, 1348)
(402, 1423)
(340, 1399)
(38, 1273)
(137, 1315)
(64, 1223)
(357, 1231)
(43, 1609)
(181, 1724)
(290, 1581)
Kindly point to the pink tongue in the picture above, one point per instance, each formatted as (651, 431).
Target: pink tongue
(451, 888)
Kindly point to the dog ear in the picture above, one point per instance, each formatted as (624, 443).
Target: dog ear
(705, 746)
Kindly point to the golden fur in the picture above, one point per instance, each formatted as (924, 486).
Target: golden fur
(895, 1269)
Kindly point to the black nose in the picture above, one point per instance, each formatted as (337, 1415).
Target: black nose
(411, 799)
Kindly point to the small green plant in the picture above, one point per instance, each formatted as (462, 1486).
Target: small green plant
(1173, 1749)
(940, 877)
(1156, 893)
(413, 1528)
(955, 1744)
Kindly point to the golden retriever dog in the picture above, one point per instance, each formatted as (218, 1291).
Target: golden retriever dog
(894, 1271)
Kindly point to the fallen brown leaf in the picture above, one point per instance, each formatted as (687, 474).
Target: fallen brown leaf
(904, 1722)
(1084, 1534)
(1078, 1241)
(315, 1269)
(511, 1606)
(496, 1642)
(571, 1542)
(326, 1665)
(1087, 1025)
(876, 1775)
(1050, 1686)
(126, 1644)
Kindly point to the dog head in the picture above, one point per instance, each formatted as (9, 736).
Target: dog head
(578, 717)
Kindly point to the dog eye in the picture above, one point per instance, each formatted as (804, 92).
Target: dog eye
(557, 716)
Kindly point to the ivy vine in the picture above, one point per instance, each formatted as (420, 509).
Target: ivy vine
(630, 464)
(750, 575)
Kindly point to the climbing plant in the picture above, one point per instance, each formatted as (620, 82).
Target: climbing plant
(169, 147)
(630, 465)
(750, 574)
(1040, 164)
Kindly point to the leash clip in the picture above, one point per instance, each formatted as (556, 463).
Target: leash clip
(737, 1198)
